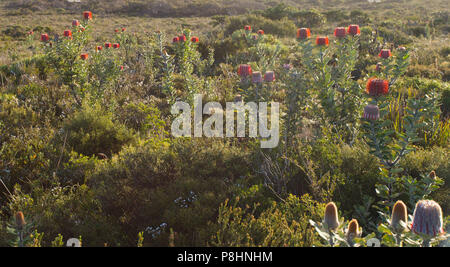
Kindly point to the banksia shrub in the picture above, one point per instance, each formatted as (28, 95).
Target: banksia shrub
(87, 15)
(371, 112)
(76, 23)
(399, 213)
(67, 33)
(269, 76)
(108, 45)
(44, 37)
(195, 39)
(244, 70)
(257, 77)
(331, 216)
(339, 32)
(322, 41)
(303, 33)
(20, 221)
(84, 56)
(385, 53)
(427, 218)
(353, 30)
(376, 87)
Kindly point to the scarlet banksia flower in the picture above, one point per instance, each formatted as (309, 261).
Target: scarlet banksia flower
(427, 218)
(248, 27)
(377, 87)
(244, 70)
(175, 40)
(121, 68)
(82, 29)
(30, 33)
(353, 30)
(353, 229)
(67, 33)
(269, 76)
(331, 216)
(87, 15)
(385, 53)
(261, 32)
(322, 41)
(182, 38)
(76, 23)
(84, 56)
(20, 220)
(108, 45)
(303, 33)
(339, 32)
(116, 45)
(116, 30)
(194, 39)
(44, 37)
(124, 29)
(99, 48)
(371, 112)
(257, 77)
(399, 214)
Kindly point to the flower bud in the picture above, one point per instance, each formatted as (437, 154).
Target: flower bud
(353, 230)
(331, 216)
(371, 112)
(399, 213)
(20, 220)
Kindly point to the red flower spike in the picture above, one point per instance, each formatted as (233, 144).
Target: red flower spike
(84, 56)
(376, 87)
(175, 40)
(182, 38)
(67, 33)
(44, 37)
(340, 32)
(261, 32)
(354, 29)
(76, 23)
(322, 41)
(108, 45)
(116, 45)
(87, 15)
(244, 70)
(124, 29)
(99, 48)
(385, 53)
(248, 27)
(303, 33)
(195, 39)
